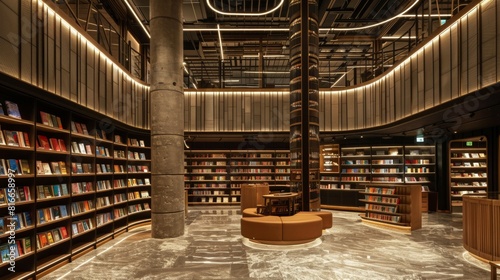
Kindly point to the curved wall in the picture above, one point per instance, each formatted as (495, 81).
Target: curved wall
(43, 49)
(460, 60)
(40, 46)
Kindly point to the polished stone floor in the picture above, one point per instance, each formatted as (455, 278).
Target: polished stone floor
(212, 248)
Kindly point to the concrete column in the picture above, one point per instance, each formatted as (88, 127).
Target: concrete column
(167, 119)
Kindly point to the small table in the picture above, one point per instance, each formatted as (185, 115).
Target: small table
(279, 204)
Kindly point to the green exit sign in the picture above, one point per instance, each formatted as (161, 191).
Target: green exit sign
(468, 144)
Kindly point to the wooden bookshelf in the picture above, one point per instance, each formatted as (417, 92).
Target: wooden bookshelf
(396, 206)
(468, 169)
(66, 192)
(215, 177)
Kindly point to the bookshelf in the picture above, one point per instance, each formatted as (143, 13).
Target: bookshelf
(215, 177)
(394, 206)
(355, 166)
(468, 169)
(68, 198)
(408, 164)
(329, 160)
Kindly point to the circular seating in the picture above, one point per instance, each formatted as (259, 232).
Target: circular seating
(326, 216)
(294, 229)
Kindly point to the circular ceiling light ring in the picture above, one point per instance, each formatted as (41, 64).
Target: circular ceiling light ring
(244, 14)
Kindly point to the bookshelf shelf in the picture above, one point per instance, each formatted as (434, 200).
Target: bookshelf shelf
(398, 205)
(468, 170)
(42, 145)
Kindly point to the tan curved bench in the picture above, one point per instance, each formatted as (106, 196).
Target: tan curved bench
(294, 229)
(251, 212)
(326, 216)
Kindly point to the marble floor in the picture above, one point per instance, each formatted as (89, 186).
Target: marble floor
(212, 248)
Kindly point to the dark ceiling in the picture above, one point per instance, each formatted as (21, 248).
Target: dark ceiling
(350, 50)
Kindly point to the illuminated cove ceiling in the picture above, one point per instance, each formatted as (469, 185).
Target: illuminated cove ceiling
(244, 43)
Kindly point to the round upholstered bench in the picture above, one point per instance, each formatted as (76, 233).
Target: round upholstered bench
(326, 216)
(250, 212)
(262, 229)
(296, 229)
(301, 228)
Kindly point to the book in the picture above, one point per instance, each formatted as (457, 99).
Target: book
(44, 118)
(3, 167)
(54, 144)
(12, 109)
(82, 148)
(46, 168)
(2, 138)
(55, 167)
(25, 166)
(64, 232)
(39, 168)
(43, 142)
(62, 145)
(62, 166)
(79, 127)
(59, 123)
(2, 112)
(13, 166)
(10, 139)
(26, 243)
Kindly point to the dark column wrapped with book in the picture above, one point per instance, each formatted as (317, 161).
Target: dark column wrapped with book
(304, 104)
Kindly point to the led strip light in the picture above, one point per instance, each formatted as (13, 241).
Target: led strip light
(244, 14)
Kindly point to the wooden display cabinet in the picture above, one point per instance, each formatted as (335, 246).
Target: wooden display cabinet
(395, 206)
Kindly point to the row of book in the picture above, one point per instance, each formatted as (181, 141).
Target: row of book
(81, 226)
(50, 120)
(138, 207)
(103, 201)
(82, 187)
(135, 143)
(395, 219)
(468, 155)
(136, 155)
(137, 195)
(79, 127)
(207, 163)
(22, 194)
(51, 144)
(81, 148)
(21, 247)
(380, 190)
(49, 214)
(102, 151)
(16, 166)
(383, 199)
(381, 208)
(82, 206)
(11, 109)
(50, 191)
(464, 174)
(469, 164)
(14, 138)
(51, 168)
(19, 220)
(137, 182)
(50, 237)
(205, 185)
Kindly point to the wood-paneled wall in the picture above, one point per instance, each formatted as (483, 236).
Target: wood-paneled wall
(463, 58)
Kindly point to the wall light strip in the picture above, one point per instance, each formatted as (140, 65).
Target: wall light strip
(137, 18)
(220, 44)
(375, 24)
(90, 44)
(196, 29)
(265, 72)
(244, 14)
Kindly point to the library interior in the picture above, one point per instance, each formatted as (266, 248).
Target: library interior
(249, 139)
